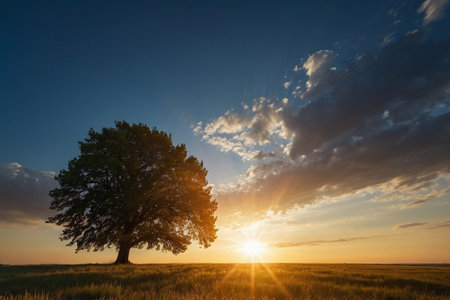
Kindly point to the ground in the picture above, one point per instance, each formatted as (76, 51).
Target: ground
(225, 281)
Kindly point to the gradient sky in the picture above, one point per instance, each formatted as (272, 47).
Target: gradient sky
(324, 125)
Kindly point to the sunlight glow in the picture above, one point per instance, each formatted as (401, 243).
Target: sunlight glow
(253, 248)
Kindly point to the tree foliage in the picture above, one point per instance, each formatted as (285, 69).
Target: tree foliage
(131, 187)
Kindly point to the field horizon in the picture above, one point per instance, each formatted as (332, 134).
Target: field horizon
(226, 281)
(439, 264)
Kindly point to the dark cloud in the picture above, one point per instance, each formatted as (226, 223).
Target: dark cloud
(385, 117)
(24, 194)
(405, 79)
(409, 154)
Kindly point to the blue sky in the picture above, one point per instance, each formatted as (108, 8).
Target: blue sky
(67, 66)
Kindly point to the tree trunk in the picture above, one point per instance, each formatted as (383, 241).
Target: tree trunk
(122, 256)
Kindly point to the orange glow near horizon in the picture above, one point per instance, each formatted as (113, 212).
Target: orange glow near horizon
(253, 248)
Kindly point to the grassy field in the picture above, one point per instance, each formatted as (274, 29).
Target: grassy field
(225, 281)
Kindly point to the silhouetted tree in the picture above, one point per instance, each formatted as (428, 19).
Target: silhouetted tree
(130, 187)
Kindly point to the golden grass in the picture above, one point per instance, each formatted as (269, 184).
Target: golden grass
(225, 281)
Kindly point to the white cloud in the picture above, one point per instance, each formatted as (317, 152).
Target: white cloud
(316, 64)
(287, 84)
(228, 123)
(231, 145)
(317, 61)
(245, 133)
(198, 127)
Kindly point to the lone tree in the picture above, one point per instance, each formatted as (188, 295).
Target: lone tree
(130, 187)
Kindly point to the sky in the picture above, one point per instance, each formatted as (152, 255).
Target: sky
(324, 125)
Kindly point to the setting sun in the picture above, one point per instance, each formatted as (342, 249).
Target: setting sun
(253, 248)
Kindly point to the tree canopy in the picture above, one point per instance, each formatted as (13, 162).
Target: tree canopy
(130, 187)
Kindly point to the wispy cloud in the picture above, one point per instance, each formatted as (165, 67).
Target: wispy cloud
(319, 242)
(433, 9)
(409, 225)
(423, 225)
(388, 39)
(440, 225)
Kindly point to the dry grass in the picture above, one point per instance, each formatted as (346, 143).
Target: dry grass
(225, 281)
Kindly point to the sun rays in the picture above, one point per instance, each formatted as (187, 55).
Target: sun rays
(252, 250)
(254, 272)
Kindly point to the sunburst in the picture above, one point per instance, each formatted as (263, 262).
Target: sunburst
(253, 248)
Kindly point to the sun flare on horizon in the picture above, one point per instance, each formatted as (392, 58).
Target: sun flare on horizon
(253, 248)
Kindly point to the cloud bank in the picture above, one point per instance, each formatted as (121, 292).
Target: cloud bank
(382, 120)
(24, 194)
